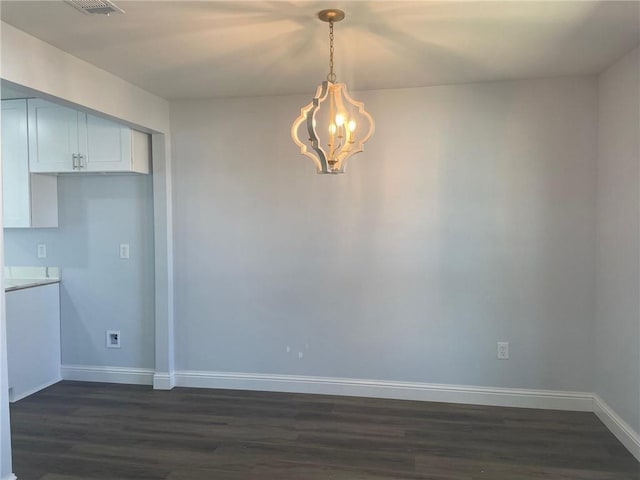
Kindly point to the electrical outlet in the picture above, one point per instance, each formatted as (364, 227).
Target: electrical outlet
(503, 350)
(300, 355)
(124, 251)
(113, 338)
(42, 250)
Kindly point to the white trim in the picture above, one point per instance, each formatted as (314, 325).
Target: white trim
(621, 429)
(96, 373)
(31, 391)
(11, 476)
(163, 381)
(503, 397)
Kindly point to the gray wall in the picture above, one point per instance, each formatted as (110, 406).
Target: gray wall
(99, 291)
(617, 327)
(470, 218)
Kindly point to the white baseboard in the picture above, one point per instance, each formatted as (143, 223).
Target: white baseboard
(94, 373)
(15, 397)
(11, 476)
(164, 381)
(621, 429)
(503, 397)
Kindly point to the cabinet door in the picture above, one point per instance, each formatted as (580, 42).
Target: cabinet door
(33, 339)
(15, 164)
(108, 146)
(54, 134)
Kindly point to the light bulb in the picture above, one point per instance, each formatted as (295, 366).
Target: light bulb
(332, 128)
(352, 126)
(339, 119)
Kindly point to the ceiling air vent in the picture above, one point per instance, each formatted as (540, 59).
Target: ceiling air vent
(101, 7)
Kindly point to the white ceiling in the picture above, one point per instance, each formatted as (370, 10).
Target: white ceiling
(183, 49)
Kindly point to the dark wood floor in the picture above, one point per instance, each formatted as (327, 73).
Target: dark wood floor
(81, 431)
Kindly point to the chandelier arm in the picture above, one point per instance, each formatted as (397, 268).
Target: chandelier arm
(336, 149)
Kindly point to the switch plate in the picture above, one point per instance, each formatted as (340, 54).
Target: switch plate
(42, 250)
(113, 338)
(503, 350)
(124, 251)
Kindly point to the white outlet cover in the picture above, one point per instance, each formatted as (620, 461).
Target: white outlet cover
(503, 350)
(113, 339)
(42, 250)
(124, 251)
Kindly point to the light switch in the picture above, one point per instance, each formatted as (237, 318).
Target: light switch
(124, 250)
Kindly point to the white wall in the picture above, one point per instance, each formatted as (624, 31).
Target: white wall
(99, 291)
(470, 218)
(617, 326)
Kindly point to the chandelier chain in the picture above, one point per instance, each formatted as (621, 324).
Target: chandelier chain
(332, 76)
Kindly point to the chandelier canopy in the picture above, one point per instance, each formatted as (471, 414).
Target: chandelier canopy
(335, 125)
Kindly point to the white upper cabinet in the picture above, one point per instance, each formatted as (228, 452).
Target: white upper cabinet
(63, 140)
(108, 146)
(15, 163)
(29, 200)
(57, 137)
(112, 147)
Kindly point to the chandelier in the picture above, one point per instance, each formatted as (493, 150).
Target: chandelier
(335, 125)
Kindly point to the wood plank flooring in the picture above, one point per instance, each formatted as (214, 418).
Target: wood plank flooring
(83, 431)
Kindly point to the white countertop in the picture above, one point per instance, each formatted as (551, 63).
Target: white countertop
(17, 278)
